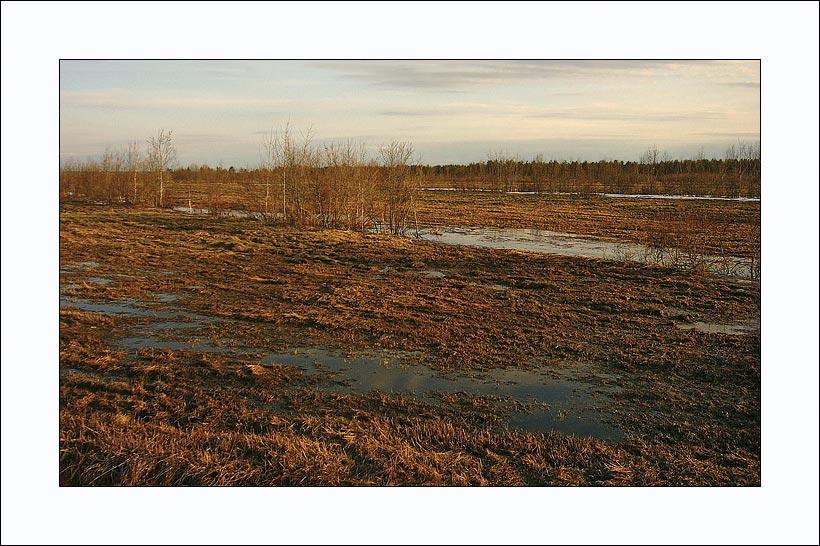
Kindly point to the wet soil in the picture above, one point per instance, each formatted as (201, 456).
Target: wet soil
(549, 369)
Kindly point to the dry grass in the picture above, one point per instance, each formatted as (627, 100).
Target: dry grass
(174, 418)
(721, 227)
(690, 401)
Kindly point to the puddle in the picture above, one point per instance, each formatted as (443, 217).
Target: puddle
(547, 242)
(494, 287)
(572, 404)
(164, 297)
(429, 273)
(231, 213)
(122, 307)
(563, 244)
(559, 403)
(131, 308)
(173, 325)
(79, 266)
(459, 189)
(736, 329)
(533, 240)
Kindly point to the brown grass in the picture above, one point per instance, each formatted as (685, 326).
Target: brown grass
(690, 401)
(721, 227)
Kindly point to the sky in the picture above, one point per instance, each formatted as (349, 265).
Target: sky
(452, 111)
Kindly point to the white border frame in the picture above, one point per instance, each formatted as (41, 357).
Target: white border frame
(35, 36)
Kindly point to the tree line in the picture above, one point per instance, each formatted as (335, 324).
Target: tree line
(737, 174)
(300, 182)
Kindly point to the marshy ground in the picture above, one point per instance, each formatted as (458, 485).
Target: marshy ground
(223, 351)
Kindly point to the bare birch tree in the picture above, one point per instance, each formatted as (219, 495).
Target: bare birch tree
(132, 161)
(162, 155)
(270, 159)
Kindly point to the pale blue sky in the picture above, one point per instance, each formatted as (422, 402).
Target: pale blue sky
(453, 111)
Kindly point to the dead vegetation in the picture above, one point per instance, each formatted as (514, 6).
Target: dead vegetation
(297, 183)
(690, 401)
(180, 418)
(716, 228)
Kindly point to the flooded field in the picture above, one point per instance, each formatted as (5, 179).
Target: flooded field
(726, 228)
(570, 244)
(529, 240)
(470, 355)
(558, 404)
(551, 242)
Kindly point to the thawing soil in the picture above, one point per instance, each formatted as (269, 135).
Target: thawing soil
(184, 391)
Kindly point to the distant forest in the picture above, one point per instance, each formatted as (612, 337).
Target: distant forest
(736, 175)
(729, 177)
(300, 182)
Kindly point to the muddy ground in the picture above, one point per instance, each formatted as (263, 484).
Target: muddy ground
(672, 358)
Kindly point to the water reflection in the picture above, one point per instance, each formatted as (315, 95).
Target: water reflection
(570, 244)
(552, 403)
(734, 329)
(571, 406)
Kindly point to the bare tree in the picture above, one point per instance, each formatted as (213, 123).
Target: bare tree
(303, 159)
(132, 161)
(106, 166)
(504, 169)
(162, 155)
(734, 160)
(397, 184)
(538, 172)
(651, 158)
(270, 159)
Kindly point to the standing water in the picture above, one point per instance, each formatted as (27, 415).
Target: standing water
(569, 244)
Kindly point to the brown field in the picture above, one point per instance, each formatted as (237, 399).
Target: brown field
(202, 405)
(711, 226)
(717, 226)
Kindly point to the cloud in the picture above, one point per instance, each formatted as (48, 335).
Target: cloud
(458, 75)
(620, 114)
(451, 109)
(202, 138)
(413, 112)
(749, 84)
(125, 99)
(599, 112)
(614, 107)
(729, 134)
